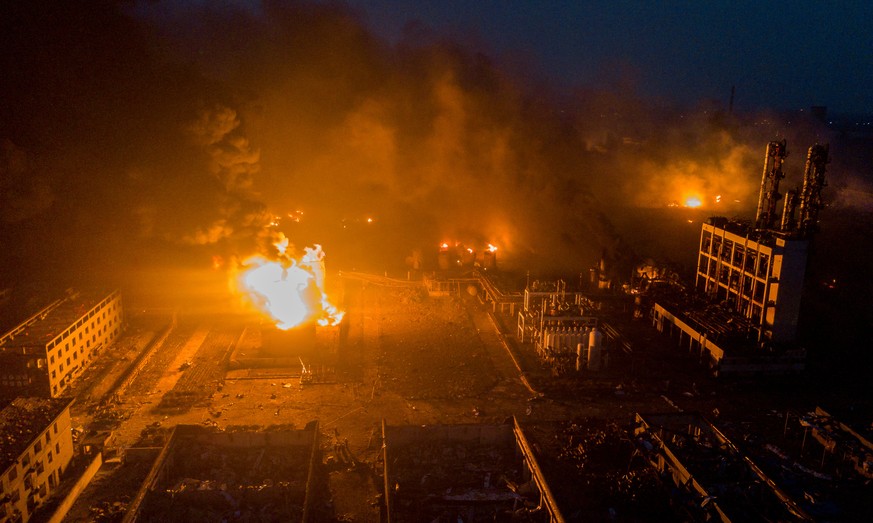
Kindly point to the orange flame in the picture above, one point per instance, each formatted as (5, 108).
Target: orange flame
(289, 291)
(693, 202)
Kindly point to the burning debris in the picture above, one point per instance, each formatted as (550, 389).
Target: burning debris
(289, 289)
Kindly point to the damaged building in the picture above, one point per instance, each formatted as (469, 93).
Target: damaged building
(463, 473)
(207, 475)
(711, 478)
(562, 327)
(36, 445)
(41, 355)
(749, 279)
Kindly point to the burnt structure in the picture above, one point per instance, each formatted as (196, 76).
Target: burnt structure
(713, 479)
(750, 276)
(43, 353)
(562, 327)
(204, 475)
(463, 472)
(36, 445)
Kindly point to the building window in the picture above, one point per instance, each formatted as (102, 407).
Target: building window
(50, 457)
(13, 472)
(57, 448)
(37, 447)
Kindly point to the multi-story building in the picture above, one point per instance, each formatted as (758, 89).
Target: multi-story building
(760, 276)
(751, 276)
(45, 352)
(36, 445)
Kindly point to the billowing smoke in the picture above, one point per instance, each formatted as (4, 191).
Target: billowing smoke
(24, 192)
(189, 130)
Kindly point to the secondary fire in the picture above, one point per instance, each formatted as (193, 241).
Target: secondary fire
(693, 202)
(290, 291)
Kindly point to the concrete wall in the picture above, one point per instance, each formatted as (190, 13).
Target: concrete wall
(83, 481)
(478, 434)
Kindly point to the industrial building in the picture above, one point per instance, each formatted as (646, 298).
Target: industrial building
(36, 445)
(713, 479)
(41, 355)
(204, 475)
(473, 472)
(751, 277)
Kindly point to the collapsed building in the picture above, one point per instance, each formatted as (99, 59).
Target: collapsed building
(36, 445)
(42, 354)
(206, 475)
(463, 473)
(711, 478)
(823, 463)
(596, 473)
(749, 278)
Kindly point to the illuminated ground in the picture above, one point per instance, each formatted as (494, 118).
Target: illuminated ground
(408, 359)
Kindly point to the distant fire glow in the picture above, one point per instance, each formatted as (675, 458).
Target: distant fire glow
(290, 291)
(693, 202)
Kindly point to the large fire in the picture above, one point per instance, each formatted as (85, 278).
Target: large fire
(289, 290)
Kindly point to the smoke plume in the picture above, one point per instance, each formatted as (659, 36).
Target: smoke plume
(187, 131)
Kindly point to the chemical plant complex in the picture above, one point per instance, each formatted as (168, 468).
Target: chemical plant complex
(459, 392)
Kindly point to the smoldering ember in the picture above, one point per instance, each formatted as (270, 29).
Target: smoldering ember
(276, 262)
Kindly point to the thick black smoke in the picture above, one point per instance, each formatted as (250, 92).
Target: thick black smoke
(146, 133)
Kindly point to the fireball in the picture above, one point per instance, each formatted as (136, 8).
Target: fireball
(693, 202)
(288, 290)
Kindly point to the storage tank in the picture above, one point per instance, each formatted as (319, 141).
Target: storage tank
(580, 356)
(595, 339)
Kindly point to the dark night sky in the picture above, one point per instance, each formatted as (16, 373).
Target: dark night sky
(783, 55)
(135, 130)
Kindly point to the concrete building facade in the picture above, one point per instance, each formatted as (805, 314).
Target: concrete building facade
(36, 445)
(759, 276)
(44, 353)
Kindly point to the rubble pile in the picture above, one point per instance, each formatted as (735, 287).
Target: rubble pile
(435, 481)
(108, 512)
(429, 349)
(21, 421)
(214, 483)
(596, 473)
(156, 366)
(717, 472)
(201, 377)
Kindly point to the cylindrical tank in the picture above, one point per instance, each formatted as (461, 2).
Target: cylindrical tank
(595, 339)
(580, 356)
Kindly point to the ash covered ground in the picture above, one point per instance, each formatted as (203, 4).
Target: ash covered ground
(407, 359)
